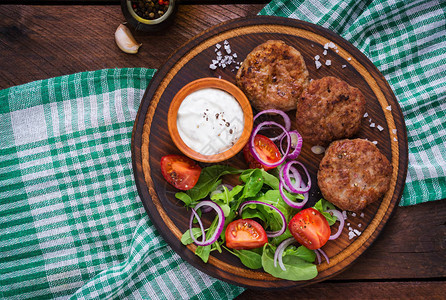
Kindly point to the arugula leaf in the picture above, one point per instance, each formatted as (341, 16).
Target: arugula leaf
(253, 184)
(296, 267)
(270, 180)
(227, 195)
(207, 182)
(274, 221)
(203, 252)
(185, 198)
(323, 205)
(186, 238)
(250, 258)
(249, 213)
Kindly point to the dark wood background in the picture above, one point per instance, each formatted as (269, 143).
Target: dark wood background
(408, 260)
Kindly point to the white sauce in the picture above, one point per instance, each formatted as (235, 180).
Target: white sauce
(210, 121)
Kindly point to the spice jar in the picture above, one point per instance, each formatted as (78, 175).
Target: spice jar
(148, 15)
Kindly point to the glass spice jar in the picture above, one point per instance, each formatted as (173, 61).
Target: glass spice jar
(148, 15)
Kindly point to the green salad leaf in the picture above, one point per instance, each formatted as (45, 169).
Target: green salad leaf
(207, 182)
(322, 206)
(297, 268)
(262, 186)
(250, 258)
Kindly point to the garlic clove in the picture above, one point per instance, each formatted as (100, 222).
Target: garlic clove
(125, 40)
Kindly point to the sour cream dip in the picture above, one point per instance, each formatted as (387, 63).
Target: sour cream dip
(210, 121)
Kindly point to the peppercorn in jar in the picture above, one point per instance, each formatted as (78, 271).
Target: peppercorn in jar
(150, 9)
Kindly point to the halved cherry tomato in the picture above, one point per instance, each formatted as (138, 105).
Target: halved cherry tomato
(180, 171)
(266, 149)
(245, 234)
(310, 228)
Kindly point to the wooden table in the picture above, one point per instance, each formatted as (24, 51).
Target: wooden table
(408, 260)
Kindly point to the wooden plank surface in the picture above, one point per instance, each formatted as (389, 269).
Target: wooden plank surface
(39, 42)
(36, 42)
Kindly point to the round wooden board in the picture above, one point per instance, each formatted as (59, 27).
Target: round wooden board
(151, 140)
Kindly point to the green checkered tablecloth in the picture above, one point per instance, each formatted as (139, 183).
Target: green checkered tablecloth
(71, 221)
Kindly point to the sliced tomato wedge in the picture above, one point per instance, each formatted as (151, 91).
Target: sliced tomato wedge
(180, 171)
(267, 151)
(310, 228)
(245, 234)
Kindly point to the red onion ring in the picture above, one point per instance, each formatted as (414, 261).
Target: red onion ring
(282, 216)
(220, 224)
(279, 252)
(324, 255)
(203, 234)
(285, 117)
(253, 150)
(288, 201)
(296, 146)
(295, 174)
(340, 217)
(287, 179)
(318, 256)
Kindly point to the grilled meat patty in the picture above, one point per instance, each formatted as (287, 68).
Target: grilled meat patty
(353, 174)
(329, 109)
(273, 76)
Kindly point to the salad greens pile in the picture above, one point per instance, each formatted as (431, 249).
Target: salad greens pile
(258, 185)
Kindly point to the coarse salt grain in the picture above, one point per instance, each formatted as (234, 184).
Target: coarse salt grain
(362, 215)
(328, 62)
(351, 235)
(331, 45)
(349, 58)
(380, 127)
(389, 108)
(226, 60)
(394, 138)
(357, 232)
(317, 57)
(344, 66)
(394, 131)
(348, 224)
(372, 125)
(325, 52)
(359, 225)
(366, 115)
(344, 214)
(375, 142)
(353, 214)
(318, 64)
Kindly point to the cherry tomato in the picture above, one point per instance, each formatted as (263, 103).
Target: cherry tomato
(180, 171)
(310, 228)
(245, 234)
(266, 149)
